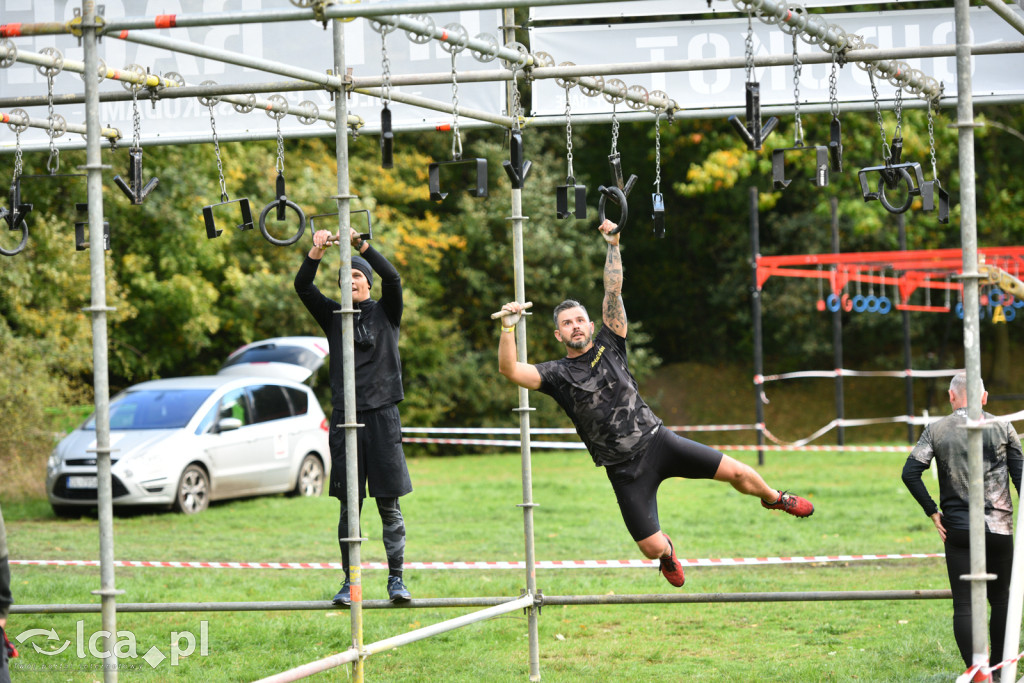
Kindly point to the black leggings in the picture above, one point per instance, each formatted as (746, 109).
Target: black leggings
(636, 481)
(393, 533)
(998, 561)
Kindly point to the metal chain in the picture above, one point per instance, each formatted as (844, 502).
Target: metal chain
(615, 131)
(216, 151)
(53, 162)
(280, 147)
(899, 111)
(833, 91)
(798, 67)
(456, 137)
(748, 44)
(568, 131)
(517, 104)
(17, 157)
(657, 152)
(136, 119)
(931, 139)
(385, 67)
(886, 154)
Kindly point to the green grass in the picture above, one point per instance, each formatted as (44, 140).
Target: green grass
(465, 509)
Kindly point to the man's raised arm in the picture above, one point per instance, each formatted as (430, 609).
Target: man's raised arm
(523, 374)
(613, 312)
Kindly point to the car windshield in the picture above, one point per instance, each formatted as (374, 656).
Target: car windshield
(272, 353)
(154, 409)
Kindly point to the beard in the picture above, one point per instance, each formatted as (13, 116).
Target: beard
(579, 344)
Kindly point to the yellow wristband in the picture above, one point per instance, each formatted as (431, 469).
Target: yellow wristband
(508, 329)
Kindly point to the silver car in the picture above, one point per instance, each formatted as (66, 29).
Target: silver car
(187, 441)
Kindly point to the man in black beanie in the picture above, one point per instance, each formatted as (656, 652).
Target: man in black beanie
(378, 379)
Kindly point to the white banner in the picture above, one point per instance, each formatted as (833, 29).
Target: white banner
(300, 44)
(666, 8)
(724, 38)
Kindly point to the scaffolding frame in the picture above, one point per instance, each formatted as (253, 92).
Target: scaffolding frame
(88, 27)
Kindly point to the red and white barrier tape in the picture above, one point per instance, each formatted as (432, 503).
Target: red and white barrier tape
(551, 564)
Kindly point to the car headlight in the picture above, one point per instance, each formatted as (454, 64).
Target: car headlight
(53, 463)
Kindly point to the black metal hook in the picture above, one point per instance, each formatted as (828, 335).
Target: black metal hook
(211, 224)
(15, 218)
(821, 165)
(892, 176)
(387, 139)
(929, 191)
(434, 177)
(752, 132)
(658, 214)
(81, 244)
(517, 167)
(135, 189)
(368, 235)
(281, 203)
(835, 146)
(579, 199)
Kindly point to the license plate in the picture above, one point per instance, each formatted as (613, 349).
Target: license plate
(81, 482)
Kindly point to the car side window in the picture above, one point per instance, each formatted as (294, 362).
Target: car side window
(270, 403)
(299, 400)
(234, 404)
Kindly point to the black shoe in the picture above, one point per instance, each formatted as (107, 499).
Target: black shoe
(344, 596)
(397, 592)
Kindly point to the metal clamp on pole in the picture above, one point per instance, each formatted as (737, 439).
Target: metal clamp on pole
(517, 167)
(81, 244)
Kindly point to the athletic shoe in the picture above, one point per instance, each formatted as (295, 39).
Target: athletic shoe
(794, 505)
(344, 596)
(671, 567)
(397, 592)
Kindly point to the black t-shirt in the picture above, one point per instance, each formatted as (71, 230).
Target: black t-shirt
(599, 394)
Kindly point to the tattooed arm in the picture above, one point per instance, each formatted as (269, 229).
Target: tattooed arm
(613, 313)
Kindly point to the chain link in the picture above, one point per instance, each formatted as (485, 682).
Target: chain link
(17, 157)
(568, 131)
(798, 68)
(748, 44)
(931, 140)
(657, 152)
(615, 131)
(280, 147)
(833, 90)
(517, 104)
(136, 119)
(886, 154)
(385, 68)
(456, 137)
(899, 112)
(216, 151)
(53, 162)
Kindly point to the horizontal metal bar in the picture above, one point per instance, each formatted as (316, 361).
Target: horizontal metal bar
(214, 90)
(433, 603)
(19, 120)
(124, 76)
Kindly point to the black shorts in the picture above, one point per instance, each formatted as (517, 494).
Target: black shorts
(379, 448)
(636, 481)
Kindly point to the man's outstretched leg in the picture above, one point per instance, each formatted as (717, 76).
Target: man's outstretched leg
(745, 479)
(659, 547)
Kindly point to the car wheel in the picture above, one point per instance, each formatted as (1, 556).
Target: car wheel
(311, 477)
(68, 510)
(193, 491)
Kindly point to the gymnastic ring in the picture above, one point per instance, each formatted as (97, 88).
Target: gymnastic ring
(620, 198)
(1009, 313)
(995, 296)
(21, 245)
(871, 303)
(291, 205)
(847, 303)
(884, 305)
(1018, 303)
(832, 302)
(860, 303)
(885, 200)
(959, 309)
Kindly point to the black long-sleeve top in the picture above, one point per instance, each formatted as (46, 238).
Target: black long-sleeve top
(378, 367)
(5, 574)
(946, 442)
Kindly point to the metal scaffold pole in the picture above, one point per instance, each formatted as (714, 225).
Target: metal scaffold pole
(972, 338)
(348, 358)
(98, 308)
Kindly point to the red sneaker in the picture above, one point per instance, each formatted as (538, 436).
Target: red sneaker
(671, 567)
(794, 505)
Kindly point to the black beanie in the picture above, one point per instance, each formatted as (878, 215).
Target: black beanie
(363, 266)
